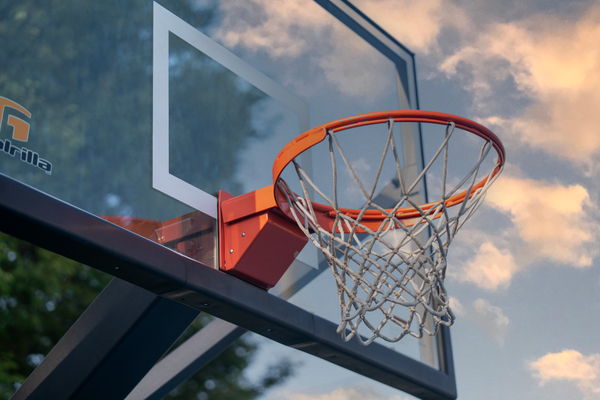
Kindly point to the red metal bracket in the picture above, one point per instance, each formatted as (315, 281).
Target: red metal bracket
(256, 243)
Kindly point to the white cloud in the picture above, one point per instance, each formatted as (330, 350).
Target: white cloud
(570, 365)
(551, 219)
(277, 29)
(485, 316)
(556, 64)
(489, 269)
(457, 307)
(298, 30)
(415, 24)
(345, 394)
(546, 222)
(491, 319)
(255, 24)
(353, 69)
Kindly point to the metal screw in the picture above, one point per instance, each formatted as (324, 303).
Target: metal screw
(243, 234)
(206, 304)
(230, 251)
(117, 268)
(269, 330)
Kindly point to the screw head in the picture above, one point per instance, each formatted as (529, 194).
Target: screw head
(243, 234)
(117, 268)
(230, 251)
(206, 304)
(269, 330)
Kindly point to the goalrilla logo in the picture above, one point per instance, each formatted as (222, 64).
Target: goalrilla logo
(14, 118)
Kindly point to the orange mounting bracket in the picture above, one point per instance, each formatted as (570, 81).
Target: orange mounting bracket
(256, 243)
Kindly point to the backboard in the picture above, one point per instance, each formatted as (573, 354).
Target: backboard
(150, 115)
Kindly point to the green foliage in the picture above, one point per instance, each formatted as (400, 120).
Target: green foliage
(41, 295)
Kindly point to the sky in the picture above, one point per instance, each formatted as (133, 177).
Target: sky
(524, 274)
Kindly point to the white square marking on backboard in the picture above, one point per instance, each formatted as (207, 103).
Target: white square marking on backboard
(162, 180)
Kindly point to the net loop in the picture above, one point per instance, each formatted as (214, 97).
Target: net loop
(398, 264)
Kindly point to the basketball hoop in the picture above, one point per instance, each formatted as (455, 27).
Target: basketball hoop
(384, 260)
(381, 257)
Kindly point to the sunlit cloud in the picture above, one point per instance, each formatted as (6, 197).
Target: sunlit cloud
(534, 222)
(570, 365)
(555, 64)
(551, 219)
(490, 269)
(415, 24)
(257, 25)
(297, 29)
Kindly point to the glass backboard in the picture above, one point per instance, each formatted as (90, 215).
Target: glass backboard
(145, 109)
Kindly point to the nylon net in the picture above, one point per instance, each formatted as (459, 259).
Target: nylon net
(402, 264)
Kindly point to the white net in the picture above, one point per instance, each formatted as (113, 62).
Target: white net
(393, 275)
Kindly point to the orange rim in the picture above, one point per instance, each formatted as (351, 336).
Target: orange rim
(316, 135)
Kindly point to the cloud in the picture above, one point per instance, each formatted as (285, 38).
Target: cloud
(354, 69)
(457, 307)
(305, 40)
(255, 24)
(536, 222)
(415, 24)
(491, 319)
(345, 394)
(555, 64)
(550, 218)
(489, 269)
(570, 365)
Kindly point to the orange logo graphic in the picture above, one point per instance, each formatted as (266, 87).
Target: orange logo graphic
(14, 120)
(13, 115)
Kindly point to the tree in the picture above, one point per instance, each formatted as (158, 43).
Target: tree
(42, 294)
